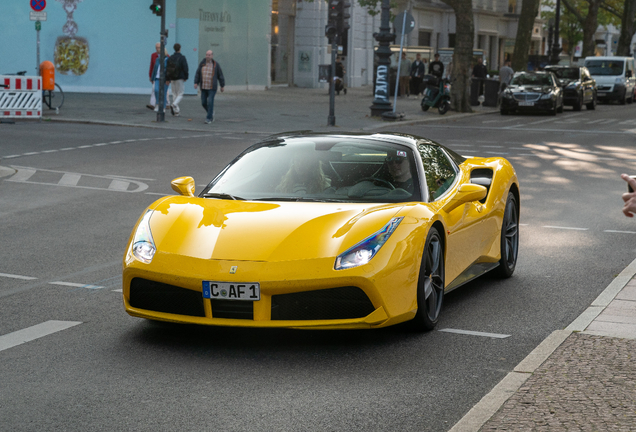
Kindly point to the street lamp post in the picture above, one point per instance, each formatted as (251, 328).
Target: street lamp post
(556, 48)
(381, 102)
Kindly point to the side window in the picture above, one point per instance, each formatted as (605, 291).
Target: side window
(440, 170)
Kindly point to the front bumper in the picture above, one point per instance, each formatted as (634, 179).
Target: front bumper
(511, 104)
(607, 93)
(296, 294)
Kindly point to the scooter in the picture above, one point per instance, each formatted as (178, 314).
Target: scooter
(436, 94)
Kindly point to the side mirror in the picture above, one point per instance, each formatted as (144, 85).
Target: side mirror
(628, 74)
(467, 192)
(183, 186)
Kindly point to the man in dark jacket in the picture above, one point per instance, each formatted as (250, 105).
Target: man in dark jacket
(178, 85)
(418, 69)
(436, 67)
(209, 76)
(480, 72)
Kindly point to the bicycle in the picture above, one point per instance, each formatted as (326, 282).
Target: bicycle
(54, 99)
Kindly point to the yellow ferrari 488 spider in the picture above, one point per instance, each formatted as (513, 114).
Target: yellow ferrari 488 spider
(325, 232)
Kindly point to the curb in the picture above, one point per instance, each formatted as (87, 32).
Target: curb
(478, 415)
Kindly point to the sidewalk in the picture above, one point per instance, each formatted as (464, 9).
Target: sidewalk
(272, 111)
(582, 378)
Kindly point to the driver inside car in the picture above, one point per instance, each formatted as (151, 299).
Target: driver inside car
(400, 172)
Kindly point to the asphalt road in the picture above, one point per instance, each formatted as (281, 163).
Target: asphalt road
(68, 211)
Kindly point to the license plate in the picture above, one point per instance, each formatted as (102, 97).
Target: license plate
(601, 94)
(524, 103)
(248, 291)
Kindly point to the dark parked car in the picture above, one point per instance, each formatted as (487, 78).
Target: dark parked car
(579, 88)
(532, 91)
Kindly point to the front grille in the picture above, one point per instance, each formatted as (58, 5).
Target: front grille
(571, 93)
(526, 97)
(334, 303)
(160, 297)
(233, 309)
(604, 88)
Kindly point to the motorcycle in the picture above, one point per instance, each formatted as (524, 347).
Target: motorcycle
(436, 94)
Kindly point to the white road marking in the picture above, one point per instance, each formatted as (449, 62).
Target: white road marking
(118, 290)
(12, 276)
(119, 185)
(475, 333)
(22, 175)
(565, 228)
(69, 179)
(76, 285)
(620, 232)
(35, 332)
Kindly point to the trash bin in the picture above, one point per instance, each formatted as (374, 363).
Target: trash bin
(47, 71)
(491, 92)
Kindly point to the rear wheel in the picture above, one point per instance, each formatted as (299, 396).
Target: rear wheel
(430, 286)
(509, 238)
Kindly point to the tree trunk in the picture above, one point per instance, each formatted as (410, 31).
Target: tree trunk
(589, 27)
(529, 10)
(628, 28)
(462, 55)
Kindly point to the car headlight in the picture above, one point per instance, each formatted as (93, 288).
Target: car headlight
(143, 244)
(572, 85)
(507, 95)
(620, 80)
(546, 95)
(362, 253)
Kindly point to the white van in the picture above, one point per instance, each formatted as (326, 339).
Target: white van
(614, 78)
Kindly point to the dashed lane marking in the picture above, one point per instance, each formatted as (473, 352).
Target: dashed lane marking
(619, 232)
(35, 332)
(76, 285)
(565, 228)
(475, 333)
(12, 276)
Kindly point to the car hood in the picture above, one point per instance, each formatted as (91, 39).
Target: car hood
(530, 89)
(263, 231)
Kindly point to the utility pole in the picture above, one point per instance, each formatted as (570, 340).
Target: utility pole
(337, 25)
(556, 48)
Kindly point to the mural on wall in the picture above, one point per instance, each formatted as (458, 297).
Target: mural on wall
(71, 51)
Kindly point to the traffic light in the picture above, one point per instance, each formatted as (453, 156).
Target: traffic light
(157, 7)
(343, 15)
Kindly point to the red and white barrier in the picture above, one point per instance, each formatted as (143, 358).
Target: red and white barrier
(20, 96)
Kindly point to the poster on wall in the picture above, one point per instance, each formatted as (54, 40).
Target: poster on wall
(71, 53)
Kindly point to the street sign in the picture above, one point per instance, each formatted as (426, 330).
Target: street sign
(38, 5)
(409, 23)
(38, 25)
(37, 16)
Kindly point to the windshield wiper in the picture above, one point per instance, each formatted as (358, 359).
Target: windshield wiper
(222, 196)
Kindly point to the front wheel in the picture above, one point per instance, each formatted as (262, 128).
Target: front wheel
(430, 286)
(444, 107)
(509, 243)
(424, 104)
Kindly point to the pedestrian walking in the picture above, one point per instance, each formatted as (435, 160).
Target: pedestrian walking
(480, 72)
(505, 75)
(436, 68)
(209, 77)
(405, 75)
(177, 73)
(153, 60)
(418, 69)
(156, 74)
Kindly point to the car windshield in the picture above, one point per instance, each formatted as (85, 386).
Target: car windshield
(605, 67)
(531, 79)
(313, 168)
(566, 73)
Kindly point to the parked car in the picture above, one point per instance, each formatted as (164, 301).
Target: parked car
(579, 88)
(614, 78)
(532, 91)
(345, 231)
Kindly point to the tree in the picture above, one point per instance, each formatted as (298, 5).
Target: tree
(628, 28)
(569, 28)
(529, 10)
(586, 12)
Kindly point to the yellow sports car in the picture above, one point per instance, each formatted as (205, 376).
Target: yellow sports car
(324, 232)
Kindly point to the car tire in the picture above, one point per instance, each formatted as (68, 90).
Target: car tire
(504, 111)
(431, 283)
(560, 110)
(554, 109)
(509, 243)
(592, 104)
(623, 100)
